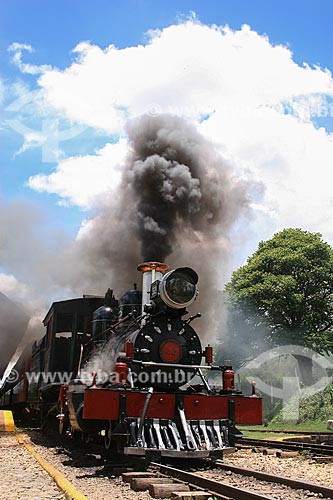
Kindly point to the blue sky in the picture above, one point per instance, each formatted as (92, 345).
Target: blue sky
(53, 29)
(277, 148)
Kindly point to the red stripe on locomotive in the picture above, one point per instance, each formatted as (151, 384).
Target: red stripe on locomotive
(103, 404)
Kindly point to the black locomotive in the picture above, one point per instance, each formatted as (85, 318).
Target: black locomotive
(134, 372)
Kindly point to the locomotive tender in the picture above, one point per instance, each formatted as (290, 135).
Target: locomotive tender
(137, 379)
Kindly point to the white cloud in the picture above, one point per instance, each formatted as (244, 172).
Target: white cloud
(11, 287)
(189, 69)
(31, 69)
(249, 96)
(293, 159)
(26, 113)
(21, 293)
(82, 180)
(31, 138)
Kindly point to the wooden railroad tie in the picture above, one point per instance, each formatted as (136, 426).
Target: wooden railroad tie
(162, 487)
(128, 476)
(167, 490)
(323, 460)
(143, 483)
(270, 451)
(287, 454)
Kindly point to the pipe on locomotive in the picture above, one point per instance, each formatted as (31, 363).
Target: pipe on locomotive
(151, 271)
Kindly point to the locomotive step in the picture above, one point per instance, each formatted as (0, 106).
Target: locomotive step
(136, 451)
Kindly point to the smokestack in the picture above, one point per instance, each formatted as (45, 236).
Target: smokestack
(151, 271)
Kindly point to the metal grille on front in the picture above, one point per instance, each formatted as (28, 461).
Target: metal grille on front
(160, 434)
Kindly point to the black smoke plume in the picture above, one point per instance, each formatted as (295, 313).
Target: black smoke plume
(178, 183)
(177, 202)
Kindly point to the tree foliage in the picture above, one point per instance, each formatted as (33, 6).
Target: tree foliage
(287, 285)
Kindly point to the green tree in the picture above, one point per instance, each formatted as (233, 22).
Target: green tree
(287, 285)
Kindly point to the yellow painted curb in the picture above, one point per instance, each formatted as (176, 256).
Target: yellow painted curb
(58, 477)
(6, 421)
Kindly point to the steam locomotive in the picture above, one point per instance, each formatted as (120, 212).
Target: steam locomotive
(135, 375)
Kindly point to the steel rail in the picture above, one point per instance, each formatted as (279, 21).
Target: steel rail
(326, 491)
(214, 487)
(301, 433)
(287, 445)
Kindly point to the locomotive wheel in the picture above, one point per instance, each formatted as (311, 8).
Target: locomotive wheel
(107, 436)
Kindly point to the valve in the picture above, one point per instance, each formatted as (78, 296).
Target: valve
(209, 355)
(94, 384)
(253, 384)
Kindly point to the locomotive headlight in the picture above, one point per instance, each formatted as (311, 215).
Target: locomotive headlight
(178, 288)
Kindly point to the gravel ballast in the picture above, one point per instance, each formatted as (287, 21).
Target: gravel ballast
(302, 467)
(88, 474)
(22, 478)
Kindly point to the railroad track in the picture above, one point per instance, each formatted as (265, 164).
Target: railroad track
(212, 486)
(301, 433)
(161, 479)
(156, 480)
(325, 491)
(287, 445)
